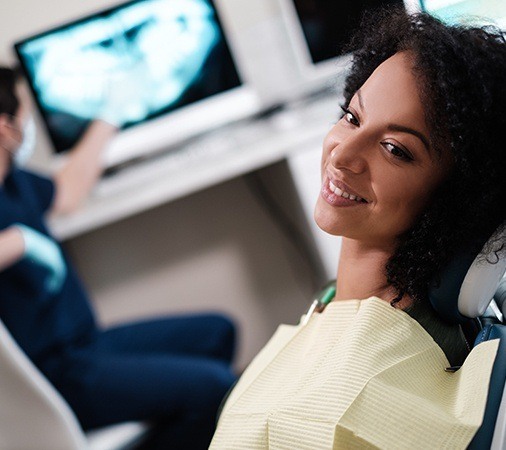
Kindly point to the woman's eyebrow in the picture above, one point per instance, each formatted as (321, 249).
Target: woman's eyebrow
(400, 128)
(418, 134)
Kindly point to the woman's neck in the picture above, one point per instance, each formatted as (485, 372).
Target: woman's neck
(361, 272)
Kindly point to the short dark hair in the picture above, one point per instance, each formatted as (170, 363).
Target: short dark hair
(9, 102)
(461, 73)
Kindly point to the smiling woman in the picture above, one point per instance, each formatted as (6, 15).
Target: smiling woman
(411, 174)
(379, 154)
(457, 77)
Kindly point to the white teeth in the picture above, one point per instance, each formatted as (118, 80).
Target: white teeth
(341, 193)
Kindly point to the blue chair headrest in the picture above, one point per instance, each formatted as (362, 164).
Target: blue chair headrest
(468, 283)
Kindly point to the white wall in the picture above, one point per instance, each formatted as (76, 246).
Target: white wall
(214, 250)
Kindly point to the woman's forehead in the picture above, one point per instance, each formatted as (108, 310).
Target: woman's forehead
(392, 96)
(393, 91)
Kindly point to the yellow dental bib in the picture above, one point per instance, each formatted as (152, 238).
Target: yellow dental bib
(360, 375)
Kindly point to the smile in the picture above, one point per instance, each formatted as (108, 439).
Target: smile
(333, 188)
(335, 196)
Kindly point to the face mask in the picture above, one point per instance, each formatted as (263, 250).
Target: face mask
(27, 146)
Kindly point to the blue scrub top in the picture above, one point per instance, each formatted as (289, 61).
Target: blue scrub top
(41, 323)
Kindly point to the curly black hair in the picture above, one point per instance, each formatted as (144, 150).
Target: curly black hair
(461, 75)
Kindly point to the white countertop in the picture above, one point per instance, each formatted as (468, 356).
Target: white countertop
(203, 162)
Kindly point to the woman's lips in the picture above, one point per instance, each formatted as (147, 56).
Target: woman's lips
(332, 195)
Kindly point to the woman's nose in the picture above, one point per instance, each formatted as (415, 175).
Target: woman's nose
(349, 154)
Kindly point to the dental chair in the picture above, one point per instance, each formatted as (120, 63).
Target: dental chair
(471, 291)
(34, 416)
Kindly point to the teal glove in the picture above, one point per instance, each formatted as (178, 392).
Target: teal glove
(45, 252)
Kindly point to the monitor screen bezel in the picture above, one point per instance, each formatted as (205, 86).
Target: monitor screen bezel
(413, 6)
(313, 75)
(232, 104)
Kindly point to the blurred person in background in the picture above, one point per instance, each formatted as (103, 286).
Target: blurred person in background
(173, 371)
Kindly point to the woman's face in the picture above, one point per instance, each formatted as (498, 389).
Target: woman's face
(379, 153)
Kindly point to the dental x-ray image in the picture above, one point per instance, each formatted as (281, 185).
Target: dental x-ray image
(127, 65)
(468, 11)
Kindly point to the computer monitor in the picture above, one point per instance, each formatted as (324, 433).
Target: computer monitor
(319, 30)
(463, 11)
(164, 66)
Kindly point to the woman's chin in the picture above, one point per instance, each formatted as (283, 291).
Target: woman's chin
(327, 224)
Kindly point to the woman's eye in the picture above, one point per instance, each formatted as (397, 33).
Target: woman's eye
(349, 117)
(397, 151)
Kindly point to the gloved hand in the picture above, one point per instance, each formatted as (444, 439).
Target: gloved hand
(45, 252)
(124, 99)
